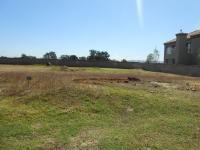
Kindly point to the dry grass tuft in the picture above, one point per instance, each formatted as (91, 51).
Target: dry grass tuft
(16, 83)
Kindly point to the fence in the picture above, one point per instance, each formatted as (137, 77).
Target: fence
(176, 69)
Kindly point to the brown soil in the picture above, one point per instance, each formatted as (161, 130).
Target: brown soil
(107, 80)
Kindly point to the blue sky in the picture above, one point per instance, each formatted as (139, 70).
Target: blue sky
(128, 29)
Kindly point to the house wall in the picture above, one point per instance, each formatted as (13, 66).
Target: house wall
(182, 57)
(169, 58)
(195, 46)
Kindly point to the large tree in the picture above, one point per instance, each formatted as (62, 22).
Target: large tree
(153, 57)
(50, 55)
(64, 57)
(98, 55)
(69, 57)
(73, 58)
(83, 58)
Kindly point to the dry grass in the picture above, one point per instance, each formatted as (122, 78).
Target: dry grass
(94, 108)
(16, 83)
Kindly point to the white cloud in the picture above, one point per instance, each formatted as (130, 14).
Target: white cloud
(139, 4)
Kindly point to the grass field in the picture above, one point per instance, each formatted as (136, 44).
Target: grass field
(97, 108)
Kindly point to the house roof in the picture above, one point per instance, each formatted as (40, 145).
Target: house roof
(171, 41)
(189, 36)
(194, 33)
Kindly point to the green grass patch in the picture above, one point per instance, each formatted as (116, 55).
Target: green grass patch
(104, 116)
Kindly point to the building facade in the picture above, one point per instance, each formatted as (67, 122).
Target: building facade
(184, 49)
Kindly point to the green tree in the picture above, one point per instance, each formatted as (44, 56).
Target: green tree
(82, 58)
(73, 58)
(98, 55)
(64, 57)
(153, 57)
(124, 60)
(150, 58)
(24, 56)
(92, 55)
(50, 55)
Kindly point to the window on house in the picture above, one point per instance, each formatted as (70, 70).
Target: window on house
(170, 50)
(173, 46)
(166, 61)
(189, 50)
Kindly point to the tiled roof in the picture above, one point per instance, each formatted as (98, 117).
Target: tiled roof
(194, 33)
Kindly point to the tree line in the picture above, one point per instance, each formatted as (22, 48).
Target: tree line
(94, 55)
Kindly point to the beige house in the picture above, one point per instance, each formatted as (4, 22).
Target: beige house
(184, 49)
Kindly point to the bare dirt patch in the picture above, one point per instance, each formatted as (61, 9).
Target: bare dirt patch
(164, 85)
(106, 80)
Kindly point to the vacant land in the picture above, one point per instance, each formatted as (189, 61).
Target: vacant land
(97, 108)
